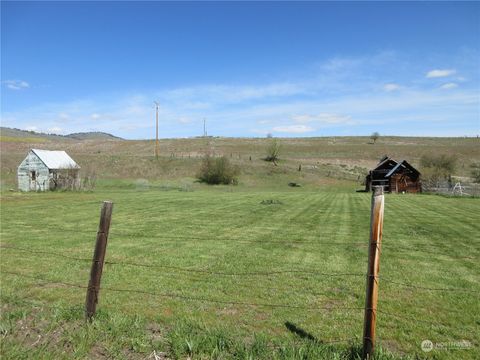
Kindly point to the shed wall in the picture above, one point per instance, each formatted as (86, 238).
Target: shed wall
(26, 180)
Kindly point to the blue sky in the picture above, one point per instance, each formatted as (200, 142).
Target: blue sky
(290, 69)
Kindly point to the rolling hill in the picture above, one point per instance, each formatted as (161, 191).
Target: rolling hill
(323, 160)
(18, 133)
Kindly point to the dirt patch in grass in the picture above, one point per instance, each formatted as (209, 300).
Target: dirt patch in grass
(227, 311)
(33, 331)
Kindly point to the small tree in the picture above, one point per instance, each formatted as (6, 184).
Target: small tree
(375, 136)
(214, 171)
(273, 151)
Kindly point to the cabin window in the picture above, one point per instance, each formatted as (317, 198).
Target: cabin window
(33, 175)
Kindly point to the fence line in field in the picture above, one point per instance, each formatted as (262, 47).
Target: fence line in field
(412, 319)
(35, 251)
(221, 273)
(428, 288)
(224, 302)
(209, 239)
(183, 297)
(417, 249)
(187, 270)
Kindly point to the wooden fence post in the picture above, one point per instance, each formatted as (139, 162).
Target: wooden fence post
(98, 259)
(376, 229)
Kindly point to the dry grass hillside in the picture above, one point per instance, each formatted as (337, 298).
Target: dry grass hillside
(323, 160)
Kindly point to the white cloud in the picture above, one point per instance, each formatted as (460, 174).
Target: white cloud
(16, 84)
(31, 128)
(448, 86)
(55, 130)
(293, 129)
(95, 116)
(324, 118)
(440, 73)
(391, 87)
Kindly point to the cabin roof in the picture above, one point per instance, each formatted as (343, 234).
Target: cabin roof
(388, 167)
(405, 165)
(56, 159)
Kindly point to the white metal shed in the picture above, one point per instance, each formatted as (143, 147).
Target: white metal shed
(45, 170)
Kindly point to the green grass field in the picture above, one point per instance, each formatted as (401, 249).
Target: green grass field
(229, 276)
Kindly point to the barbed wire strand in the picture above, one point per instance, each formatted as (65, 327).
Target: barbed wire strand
(418, 287)
(385, 245)
(184, 297)
(192, 270)
(209, 272)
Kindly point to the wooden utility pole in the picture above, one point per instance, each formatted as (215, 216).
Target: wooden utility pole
(156, 137)
(376, 229)
(98, 260)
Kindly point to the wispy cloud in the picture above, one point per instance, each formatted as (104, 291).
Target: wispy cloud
(16, 84)
(203, 96)
(448, 86)
(293, 129)
(323, 118)
(391, 87)
(437, 73)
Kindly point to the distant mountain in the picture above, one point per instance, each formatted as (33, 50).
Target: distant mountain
(92, 135)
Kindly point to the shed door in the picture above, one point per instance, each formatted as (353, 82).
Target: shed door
(33, 180)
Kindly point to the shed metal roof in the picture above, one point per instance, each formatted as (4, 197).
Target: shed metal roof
(56, 159)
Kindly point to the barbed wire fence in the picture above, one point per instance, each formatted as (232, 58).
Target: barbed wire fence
(93, 287)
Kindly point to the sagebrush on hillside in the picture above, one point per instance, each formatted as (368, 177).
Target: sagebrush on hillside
(216, 171)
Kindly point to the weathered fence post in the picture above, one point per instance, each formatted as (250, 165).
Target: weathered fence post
(98, 259)
(376, 229)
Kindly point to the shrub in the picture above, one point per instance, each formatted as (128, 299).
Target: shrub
(437, 168)
(475, 172)
(273, 151)
(216, 171)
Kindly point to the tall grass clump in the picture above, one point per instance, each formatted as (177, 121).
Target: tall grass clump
(215, 171)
